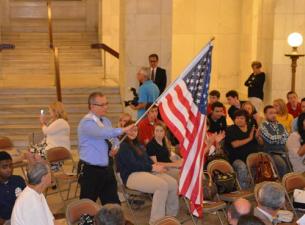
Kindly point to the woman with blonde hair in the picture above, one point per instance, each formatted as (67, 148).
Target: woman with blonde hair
(56, 130)
(282, 115)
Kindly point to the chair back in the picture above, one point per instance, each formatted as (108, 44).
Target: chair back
(220, 164)
(58, 154)
(254, 158)
(5, 143)
(292, 181)
(80, 207)
(168, 220)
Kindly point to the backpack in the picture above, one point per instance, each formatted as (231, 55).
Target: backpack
(263, 170)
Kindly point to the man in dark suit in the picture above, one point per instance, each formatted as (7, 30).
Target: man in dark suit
(158, 75)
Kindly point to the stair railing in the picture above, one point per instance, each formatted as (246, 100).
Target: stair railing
(55, 53)
(105, 49)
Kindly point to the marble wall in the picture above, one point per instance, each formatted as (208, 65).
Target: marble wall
(109, 32)
(194, 23)
(289, 16)
(145, 28)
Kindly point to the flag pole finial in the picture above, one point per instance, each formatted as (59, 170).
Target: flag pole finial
(212, 39)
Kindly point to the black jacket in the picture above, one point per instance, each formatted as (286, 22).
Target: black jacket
(255, 84)
(160, 79)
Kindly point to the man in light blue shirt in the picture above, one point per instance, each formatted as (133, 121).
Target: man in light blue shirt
(148, 91)
(97, 141)
(294, 126)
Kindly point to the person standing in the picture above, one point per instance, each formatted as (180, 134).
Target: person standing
(255, 84)
(148, 91)
(158, 75)
(97, 141)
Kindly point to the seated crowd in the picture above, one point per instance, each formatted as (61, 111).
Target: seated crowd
(147, 158)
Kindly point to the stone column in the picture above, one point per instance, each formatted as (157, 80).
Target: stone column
(145, 28)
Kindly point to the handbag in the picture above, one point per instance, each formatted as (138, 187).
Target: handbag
(225, 182)
(299, 199)
(209, 187)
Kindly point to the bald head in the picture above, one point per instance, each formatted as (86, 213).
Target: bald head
(238, 208)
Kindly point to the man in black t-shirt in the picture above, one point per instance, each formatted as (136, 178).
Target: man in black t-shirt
(217, 120)
(240, 141)
(10, 186)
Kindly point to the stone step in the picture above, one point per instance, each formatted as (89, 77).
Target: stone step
(66, 91)
(29, 119)
(43, 98)
(72, 108)
(42, 35)
(41, 25)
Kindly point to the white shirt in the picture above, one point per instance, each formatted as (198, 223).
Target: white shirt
(31, 208)
(57, 134)
(293, 144)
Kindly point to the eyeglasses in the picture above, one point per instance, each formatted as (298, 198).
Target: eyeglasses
(101, 105)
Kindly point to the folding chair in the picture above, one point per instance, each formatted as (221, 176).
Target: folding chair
(18, 160)
(80, 207)
(61, 154)
(225, 167)
(214, 206)
(292, 181)
(168, 220)
(130, 195)
(252, 160)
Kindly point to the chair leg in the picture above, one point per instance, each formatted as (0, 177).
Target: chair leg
(219, 218)
(129, 206)
(189, 209)
(291, 205)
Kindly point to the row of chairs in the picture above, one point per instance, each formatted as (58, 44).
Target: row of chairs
(54, 155)
(290, 182)
(80, 207)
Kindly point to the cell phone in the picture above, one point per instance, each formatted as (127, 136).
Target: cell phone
(41, 112)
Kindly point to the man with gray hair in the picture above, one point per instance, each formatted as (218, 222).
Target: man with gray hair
(110, 214)
(270, 199)
(31, 206)
(148, 91)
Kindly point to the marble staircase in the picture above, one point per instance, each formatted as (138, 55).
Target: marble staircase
(20, 108)
(32, 60)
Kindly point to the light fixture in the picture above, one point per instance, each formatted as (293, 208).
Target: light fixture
(295, 40)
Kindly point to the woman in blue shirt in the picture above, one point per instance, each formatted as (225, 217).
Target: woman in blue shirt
(138, 172)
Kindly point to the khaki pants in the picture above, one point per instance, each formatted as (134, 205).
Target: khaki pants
(163, 187)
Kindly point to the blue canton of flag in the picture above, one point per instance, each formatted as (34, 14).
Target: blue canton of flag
(198, 80)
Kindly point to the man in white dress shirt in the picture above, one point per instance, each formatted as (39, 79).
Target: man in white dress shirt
(31, 207)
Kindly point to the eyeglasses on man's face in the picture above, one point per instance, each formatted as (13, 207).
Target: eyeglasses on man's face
(101, 105)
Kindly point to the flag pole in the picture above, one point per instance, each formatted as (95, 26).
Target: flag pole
(165, 92)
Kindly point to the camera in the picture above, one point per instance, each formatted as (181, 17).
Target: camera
(135, 99)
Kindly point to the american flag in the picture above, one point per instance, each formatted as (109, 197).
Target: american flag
(183, 108)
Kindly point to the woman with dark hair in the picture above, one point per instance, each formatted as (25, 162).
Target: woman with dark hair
(240, 141)
(158, 151)
(296, 145)
(140, 173)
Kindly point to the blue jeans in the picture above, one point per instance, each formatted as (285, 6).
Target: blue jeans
(242, 174)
